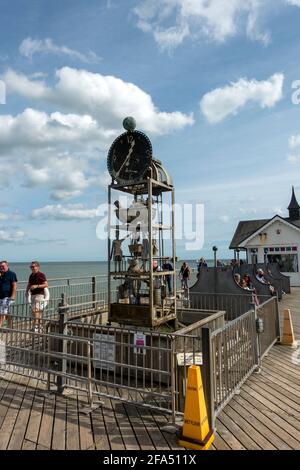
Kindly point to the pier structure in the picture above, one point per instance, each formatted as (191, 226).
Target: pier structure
(262, 413)
(104, 363)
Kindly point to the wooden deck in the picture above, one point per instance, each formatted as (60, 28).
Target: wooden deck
(264, 415)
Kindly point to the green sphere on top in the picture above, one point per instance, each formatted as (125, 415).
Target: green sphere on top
(129, 123)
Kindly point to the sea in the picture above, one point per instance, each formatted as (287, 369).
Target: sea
(54, 270)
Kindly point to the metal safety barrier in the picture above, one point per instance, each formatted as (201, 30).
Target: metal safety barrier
(70, 347)
(268, 314)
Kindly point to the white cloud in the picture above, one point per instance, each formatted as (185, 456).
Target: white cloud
(224, 218)
(248, 210)
(33, 128)
(23, 86)
(55, 151)
(293, 2)
(222, 102)
(12, 237)
(294, 141)
(171, 21)
(62, 150)
(67, 212)
(106, 98)
(293, 159)
(29, 47)
(278, 210)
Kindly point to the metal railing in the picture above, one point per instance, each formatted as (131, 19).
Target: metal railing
(148, 368)
(268, 312)
(143, 368)
(234, 305)
(74, 286)
(234, 357)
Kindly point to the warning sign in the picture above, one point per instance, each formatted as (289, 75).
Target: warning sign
(139, 341)
(104, 351)
(189, 359)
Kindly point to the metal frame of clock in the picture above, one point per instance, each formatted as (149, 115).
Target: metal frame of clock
(138, 253)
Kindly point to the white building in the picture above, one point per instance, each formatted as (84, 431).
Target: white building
(272, 240)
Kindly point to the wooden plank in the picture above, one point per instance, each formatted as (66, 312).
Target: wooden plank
(59, 426)
(285, 359)
(47, 421)
(139, 428)
(12, 412)
(35, 418)
(228, 437)
(219, 443)
(254, 416)
(277, 405)
(28, 445)
(128, 436)
(112, 427)
(232, 410)
(40, 447)
(157, 437)
(289, 434)
(165, 420)
(72, 424)
(18, 434)
(263, 416)
(280, 390)
(286, 378)
(85, 427)
(99, 430)
(5, 393)
(236, 431)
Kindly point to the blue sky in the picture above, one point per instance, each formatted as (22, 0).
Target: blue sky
(209, 82)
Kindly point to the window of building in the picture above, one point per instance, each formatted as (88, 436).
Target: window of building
(288, 263)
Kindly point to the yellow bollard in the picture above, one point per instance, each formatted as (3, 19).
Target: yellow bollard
(195, 433)
(288, 337)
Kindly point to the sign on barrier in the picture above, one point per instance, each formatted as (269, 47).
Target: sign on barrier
(139, 341)
(104, 351)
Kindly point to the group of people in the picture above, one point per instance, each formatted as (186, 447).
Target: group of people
(260, 276)
(36, 292)
(246, 284)
(184, 273)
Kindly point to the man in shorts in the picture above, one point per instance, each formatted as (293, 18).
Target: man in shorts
(36, 284)
(8, 290)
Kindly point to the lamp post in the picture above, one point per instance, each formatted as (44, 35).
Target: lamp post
(215, 249)
(238, 256)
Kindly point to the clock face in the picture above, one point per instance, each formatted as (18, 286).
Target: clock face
(129, 157)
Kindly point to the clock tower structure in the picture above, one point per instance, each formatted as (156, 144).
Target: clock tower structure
(141, 237)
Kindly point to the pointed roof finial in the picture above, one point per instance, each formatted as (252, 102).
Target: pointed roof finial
(294, 203)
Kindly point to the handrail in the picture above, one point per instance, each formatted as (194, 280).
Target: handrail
(68, 278)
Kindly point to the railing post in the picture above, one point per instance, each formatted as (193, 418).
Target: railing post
(89, 375)
(173, 380)
(62, 344)
(278, 332)
(94, 291)
(207, 375)
(258, 351)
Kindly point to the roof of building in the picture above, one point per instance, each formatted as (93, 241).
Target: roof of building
(294, 203)
(246, 228)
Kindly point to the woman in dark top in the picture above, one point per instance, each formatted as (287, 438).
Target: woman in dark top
(184, 275)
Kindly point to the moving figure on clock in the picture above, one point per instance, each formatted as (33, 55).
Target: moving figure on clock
(116, 251)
